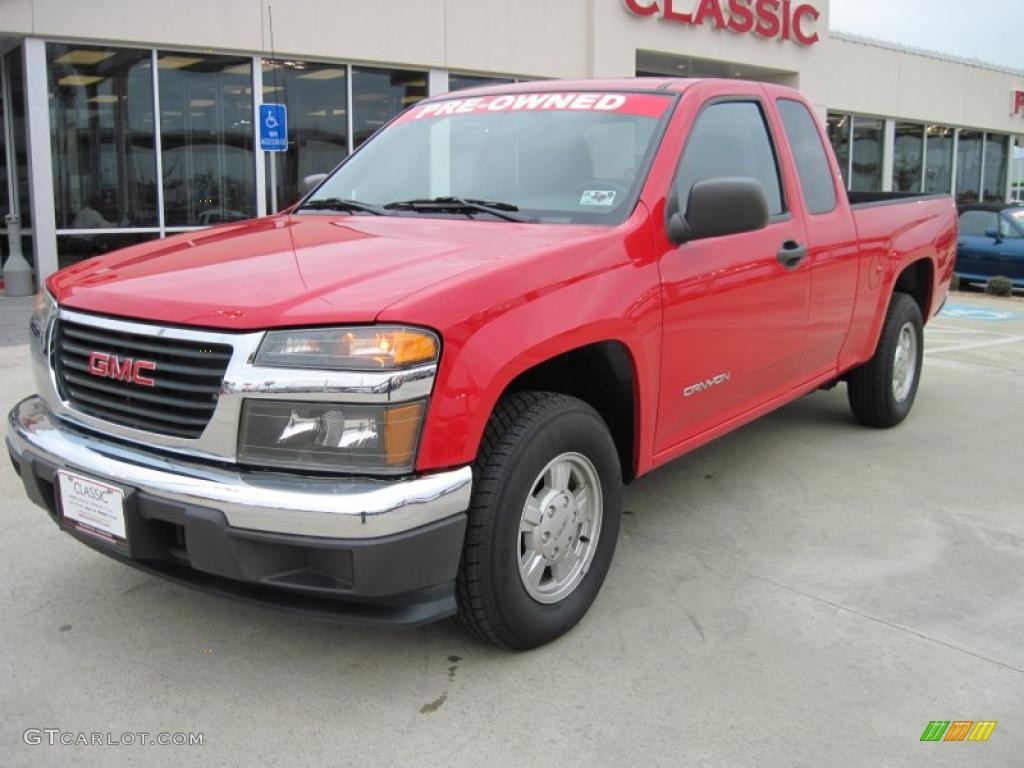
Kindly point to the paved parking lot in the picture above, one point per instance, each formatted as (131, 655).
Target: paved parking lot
(803, 592)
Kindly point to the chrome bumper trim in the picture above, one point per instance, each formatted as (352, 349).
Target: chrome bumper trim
(349, 508)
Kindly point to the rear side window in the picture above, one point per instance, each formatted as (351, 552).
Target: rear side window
(730, 139)
(811, 160)
(1007, 229)
(977, 223)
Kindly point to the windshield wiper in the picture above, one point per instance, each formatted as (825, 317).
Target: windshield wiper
(505, 211)
(337, 204)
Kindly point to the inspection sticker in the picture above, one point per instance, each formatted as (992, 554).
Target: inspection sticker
(603, 197)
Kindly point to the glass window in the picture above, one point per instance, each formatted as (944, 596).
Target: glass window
(317, 99)
(811, 161)
(977, 223)
(996, 156)
(461, 82)
(558, 165)
(730, 139)
(867, 154)
(1008, 226)
(74, 248)
(968, 167)
(1015, 216)
(101, 135)
(938, 170)
(839, 136)
(908, 157)
(380, 94)
(206, 135)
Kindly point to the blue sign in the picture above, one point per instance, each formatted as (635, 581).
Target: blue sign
(973, 312)
(273, 127)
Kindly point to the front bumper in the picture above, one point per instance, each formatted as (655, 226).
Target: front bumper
(349, 549)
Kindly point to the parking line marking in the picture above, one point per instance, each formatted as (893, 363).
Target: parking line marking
(975, 345)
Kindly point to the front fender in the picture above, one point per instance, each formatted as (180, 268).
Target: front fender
(549, 305)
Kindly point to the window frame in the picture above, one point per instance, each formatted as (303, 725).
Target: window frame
(825, 146)
(671, 202)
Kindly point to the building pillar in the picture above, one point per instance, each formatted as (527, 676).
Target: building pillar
(259, 154)
(1011, 166)
(40, 158)
(888, 154)
(437, 82)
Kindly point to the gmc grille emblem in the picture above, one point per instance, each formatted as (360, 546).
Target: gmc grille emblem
(121, 368)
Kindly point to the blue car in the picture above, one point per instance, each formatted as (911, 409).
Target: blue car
(991, 243)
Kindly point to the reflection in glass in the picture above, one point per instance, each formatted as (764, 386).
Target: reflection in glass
(101, 133)
(461, 82)
(317, 100)
(72, 249)
(16, 90)
(968, 167)
(5, 198)
(380, 94)
(839, 135)
(206, 136)
(867, 154)
(938, 170)
(996, 156)
(908, 157)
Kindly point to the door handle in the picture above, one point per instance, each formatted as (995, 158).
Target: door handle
(791, 254)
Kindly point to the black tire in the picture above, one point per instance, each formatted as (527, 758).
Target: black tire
(870, 387)
(526, 431)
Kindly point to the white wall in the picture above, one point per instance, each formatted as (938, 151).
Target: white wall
(543, 38)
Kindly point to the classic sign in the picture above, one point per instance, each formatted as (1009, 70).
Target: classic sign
(773, 19)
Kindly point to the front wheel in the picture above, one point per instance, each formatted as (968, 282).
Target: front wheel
(543, 521)
(882, 391)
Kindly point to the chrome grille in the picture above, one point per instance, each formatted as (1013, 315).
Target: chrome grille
(186, 379)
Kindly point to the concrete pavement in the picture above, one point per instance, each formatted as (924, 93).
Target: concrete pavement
(803, 592)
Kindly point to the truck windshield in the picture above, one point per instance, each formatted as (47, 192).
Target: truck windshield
(577, 157)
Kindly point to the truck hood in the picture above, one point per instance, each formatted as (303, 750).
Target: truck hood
(292, 270)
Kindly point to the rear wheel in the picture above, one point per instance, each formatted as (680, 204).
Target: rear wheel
(882, 391)
(543, 521)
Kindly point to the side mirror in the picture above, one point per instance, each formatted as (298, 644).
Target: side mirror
(994, 234)
(311, 182)
(722, 206)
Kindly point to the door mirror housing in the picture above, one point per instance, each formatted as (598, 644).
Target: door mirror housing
(311, 182)
(994, 234)
(722, 206)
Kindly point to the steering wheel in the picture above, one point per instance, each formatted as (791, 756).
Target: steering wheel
(595, 193)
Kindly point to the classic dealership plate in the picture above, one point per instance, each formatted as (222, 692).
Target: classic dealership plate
(92, 506)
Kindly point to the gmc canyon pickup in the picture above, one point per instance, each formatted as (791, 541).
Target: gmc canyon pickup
(418, 392)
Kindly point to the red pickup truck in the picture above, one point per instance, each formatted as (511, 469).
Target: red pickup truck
(418, 392)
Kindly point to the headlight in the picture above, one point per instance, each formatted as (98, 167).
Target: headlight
(41, 322)
(372, 439)
(367, 348)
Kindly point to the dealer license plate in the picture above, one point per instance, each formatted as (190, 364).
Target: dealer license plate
(93, 507)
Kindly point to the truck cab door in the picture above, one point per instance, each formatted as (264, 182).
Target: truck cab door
(734, 307)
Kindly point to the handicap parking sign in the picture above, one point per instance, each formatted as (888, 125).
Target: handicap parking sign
(273, 127)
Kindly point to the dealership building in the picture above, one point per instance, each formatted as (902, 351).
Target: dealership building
(128, 120)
